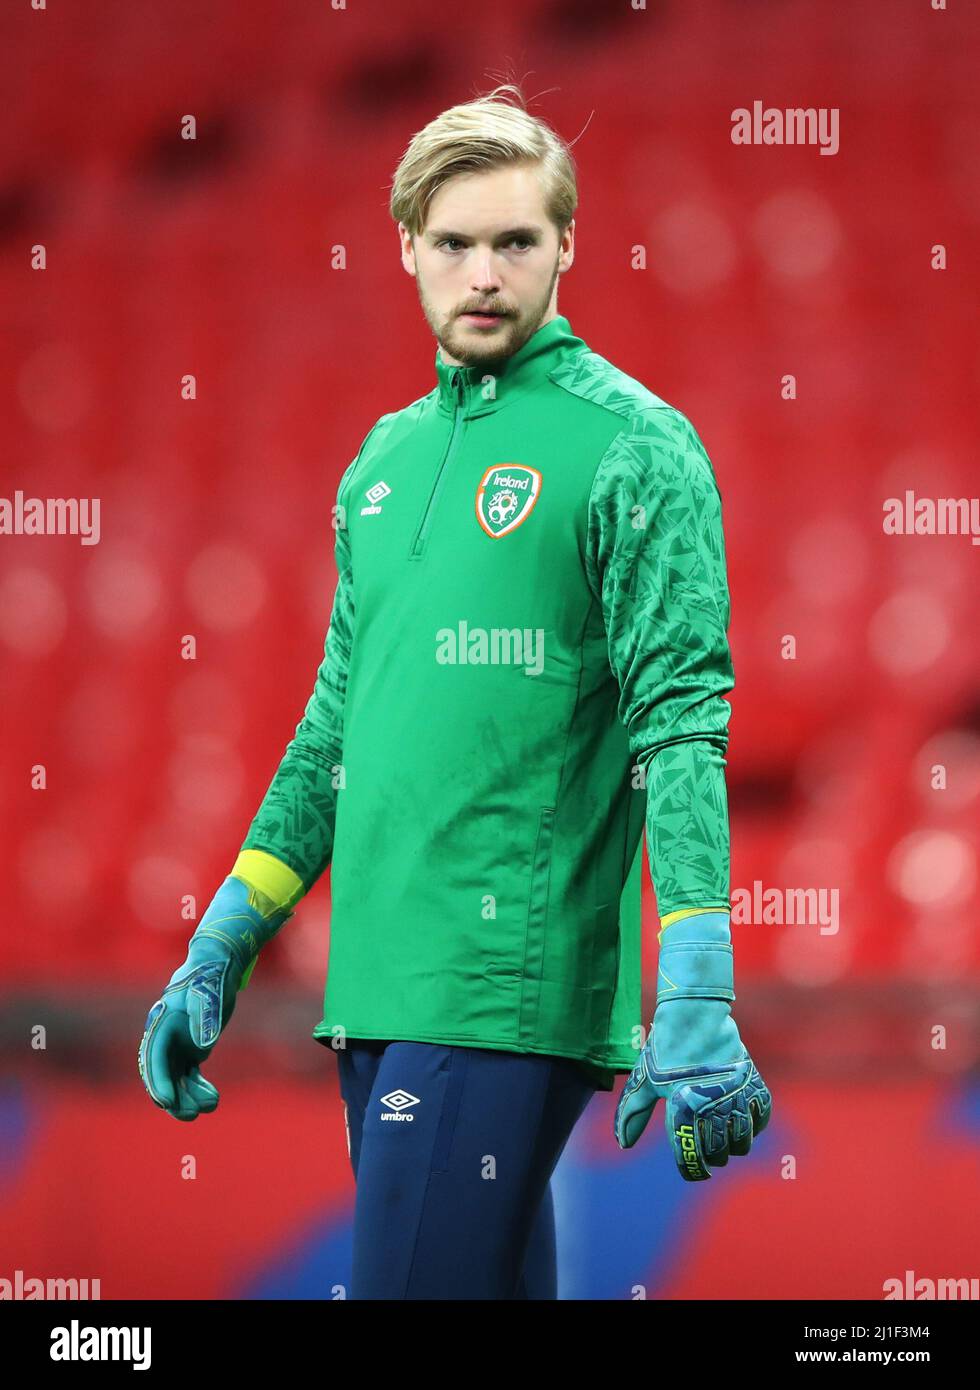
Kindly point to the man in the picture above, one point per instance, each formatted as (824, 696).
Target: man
(527, 654)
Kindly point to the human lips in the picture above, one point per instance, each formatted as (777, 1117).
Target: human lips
(483, 315)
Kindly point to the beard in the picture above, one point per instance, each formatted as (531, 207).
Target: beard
(467, 346)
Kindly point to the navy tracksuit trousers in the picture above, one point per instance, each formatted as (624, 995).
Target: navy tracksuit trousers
(453, 1149)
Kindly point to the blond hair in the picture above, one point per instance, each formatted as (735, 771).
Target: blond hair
(486, 133)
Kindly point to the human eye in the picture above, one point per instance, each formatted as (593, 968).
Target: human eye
(444, 241)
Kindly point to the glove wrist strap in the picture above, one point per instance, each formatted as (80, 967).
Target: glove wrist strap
(695, 970)
(696, 959)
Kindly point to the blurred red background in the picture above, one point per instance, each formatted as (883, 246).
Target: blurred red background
(217, 258)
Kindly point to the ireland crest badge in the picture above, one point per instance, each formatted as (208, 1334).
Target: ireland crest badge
(506, 497)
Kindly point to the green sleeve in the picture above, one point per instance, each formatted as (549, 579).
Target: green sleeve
(656, 560)
(295, 821)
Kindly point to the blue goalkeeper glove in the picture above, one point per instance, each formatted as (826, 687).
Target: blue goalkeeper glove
(694, 1059)
(184, 1024)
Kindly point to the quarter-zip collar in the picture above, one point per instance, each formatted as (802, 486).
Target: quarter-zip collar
(481, 390)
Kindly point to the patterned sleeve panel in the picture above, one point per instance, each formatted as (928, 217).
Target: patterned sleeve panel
(295, 821)
(656, 563)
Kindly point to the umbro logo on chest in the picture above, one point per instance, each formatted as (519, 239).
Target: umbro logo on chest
(374, 495)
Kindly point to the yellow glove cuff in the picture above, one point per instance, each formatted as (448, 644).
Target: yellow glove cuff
(272, 884)
(269, 875)
(671, 917)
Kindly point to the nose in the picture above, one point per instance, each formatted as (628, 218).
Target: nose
(485, 278)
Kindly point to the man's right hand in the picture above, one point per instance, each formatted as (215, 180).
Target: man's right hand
(184, 1024)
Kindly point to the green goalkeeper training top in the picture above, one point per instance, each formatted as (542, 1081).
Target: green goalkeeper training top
(526, 662)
